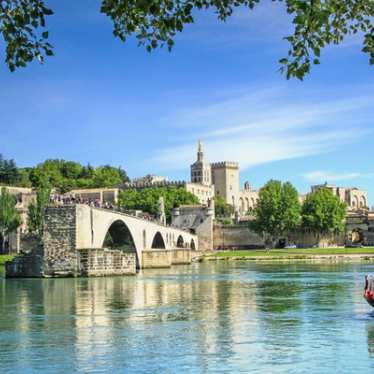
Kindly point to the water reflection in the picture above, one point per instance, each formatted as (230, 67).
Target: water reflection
(203, 318)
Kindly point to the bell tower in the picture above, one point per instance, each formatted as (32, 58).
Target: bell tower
(200, 170)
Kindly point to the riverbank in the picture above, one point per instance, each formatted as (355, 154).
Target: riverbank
(5, 258)
(296, 254)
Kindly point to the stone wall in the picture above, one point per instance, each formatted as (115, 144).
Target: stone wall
(101, 262)
(205, 234)
(60, 255)
(180, 256)
(235, 236)
(304, 239)
(160, 258)
(27, 266)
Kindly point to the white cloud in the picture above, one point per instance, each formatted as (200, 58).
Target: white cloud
(318, 176)
(265, 125)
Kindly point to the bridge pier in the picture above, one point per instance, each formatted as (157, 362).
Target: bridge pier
(164, 258)
(102, 262)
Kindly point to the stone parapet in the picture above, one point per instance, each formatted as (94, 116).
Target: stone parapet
(225, 164)
(143, 185)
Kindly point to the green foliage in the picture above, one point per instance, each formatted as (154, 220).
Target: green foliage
(277, 210)
(147, 199)
(323, 212)
(36, 210)
(22, 25)
(9, 217)
(67, 175)
(9, 173)
(155, 23)
(221, 208)
(4, 259)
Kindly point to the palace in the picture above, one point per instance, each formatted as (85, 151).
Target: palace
(221, 179)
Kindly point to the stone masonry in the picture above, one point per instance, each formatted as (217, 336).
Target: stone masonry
(60, 256)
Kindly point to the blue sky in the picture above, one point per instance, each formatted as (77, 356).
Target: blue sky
(101, 101)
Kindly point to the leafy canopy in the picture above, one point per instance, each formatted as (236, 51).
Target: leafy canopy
(147, 199)
(35, 211)
(221, 208)
(9, 174)
(9, 216)
(61, 174)
(317, 23)
(277, 210)
(323, 212)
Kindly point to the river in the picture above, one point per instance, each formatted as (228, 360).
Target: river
(218, 317)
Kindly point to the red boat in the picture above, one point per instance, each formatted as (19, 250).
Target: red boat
(369, 289)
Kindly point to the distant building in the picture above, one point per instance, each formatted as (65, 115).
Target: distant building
(355, 198)
(150, 179)
(221, 179)
(24, 196)
(102, 195)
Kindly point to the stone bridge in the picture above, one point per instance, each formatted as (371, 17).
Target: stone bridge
(96, 228)
(82, 240)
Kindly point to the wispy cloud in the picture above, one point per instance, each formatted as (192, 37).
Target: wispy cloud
(318, 176)
(266, 126)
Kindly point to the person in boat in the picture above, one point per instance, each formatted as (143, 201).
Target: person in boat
(369, 289)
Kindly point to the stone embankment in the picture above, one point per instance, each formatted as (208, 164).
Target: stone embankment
(296, 258)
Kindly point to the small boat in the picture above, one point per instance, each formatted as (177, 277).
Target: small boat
(369, 289)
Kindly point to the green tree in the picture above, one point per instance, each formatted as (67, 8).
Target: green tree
(323, 212)
(9, 173)
(277, 211)
(109, 176)
(147, 199)
(221, 208)
(9, 216)
(36, 210)
(317, 23)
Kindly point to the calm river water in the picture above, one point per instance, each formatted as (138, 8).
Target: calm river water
(205, 318)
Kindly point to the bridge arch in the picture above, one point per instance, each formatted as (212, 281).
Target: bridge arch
(363, 202)
(119, 236)
(158, 241)
(180, 241)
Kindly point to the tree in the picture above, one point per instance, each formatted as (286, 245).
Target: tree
(221, 208)
(147, 199)
(323, 212)
(36, 210)
(9, 216)
(155, 23)
(109, 176)
(277, 211)
(8, 171)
